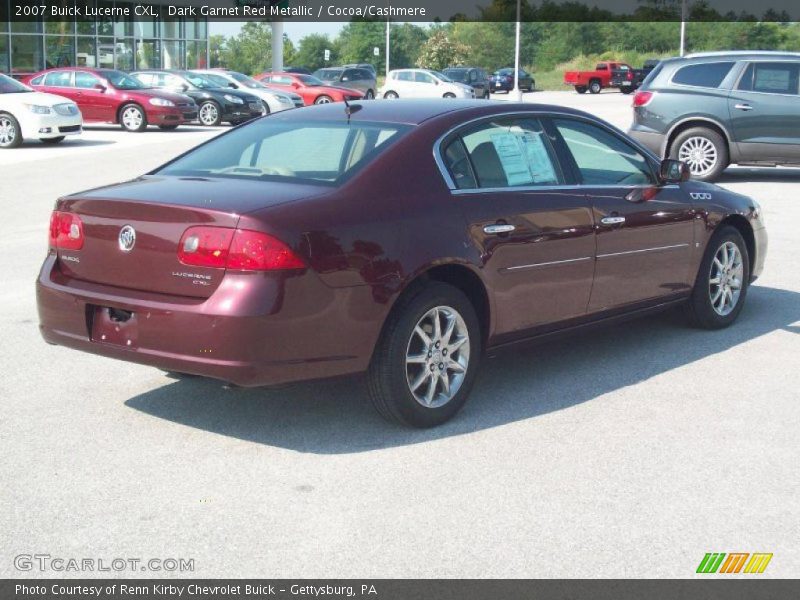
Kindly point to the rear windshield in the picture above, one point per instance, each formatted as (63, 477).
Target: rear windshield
(459, 75)
(306, 152)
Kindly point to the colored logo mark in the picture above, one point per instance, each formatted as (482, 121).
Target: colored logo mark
(735, 562)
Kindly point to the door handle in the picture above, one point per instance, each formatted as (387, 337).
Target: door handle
(499, 228)
(742, 106)
(612, 220)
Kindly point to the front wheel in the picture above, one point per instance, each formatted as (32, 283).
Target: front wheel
(369, 95)
(209, 114)
(721, 285)
(581, 89)
(391, 95)
(52, 141)
(449, 95)
(132, 118)
(704, 150)
(425, 363)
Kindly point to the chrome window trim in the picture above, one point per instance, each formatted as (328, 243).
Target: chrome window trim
(454, 190)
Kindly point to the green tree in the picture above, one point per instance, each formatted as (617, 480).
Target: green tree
(250, 52)
(407, 40)
(357, 40)
(440, 52)
(311, 51)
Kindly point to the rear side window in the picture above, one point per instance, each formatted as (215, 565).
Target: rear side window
(707, 75)
(272, 150)
(405, 76)
(59, 79)
(770, 78)
(652, 75)
(504, 153)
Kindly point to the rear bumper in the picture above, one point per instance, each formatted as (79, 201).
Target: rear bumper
(652, 140)
(254, 330)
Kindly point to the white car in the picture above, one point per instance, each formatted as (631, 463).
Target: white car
(27, 114)
(273, 100)
(423, 83)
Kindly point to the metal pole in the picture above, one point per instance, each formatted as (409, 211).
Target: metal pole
(387, 46)
(277, 45)
(683, 27)
(516, 92)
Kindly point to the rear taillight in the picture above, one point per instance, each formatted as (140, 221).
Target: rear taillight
(66, 231)
(630, 76)
(236, 249)
(642, 98)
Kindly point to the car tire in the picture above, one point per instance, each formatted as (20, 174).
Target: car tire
(168, 127)
(721, 285)
(323, 99)
(390, 95)
(581, 89)
(266, 107)
(53, 141)
(704, 150)
(209, 114)
(595, 87)
(370, 95)
(132, 118)
(10, 131)
(449, 95)
(627, 90)
(404, 358)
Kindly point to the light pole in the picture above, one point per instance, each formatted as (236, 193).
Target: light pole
(277, 45)
(516, 92)
(683, 27)
(387, 46)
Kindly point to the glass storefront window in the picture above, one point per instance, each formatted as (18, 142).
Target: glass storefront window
(85, 26)
(26, 27)
(105, 25)
(27, 53)
(196, 55)
(196, 28)
(105, 53)
(170, 27)
(59, 51)
(146, 27)
(4, 53)
(60, 25)
(85, 56)
(125, 55)
(171, 54)
(148, 54)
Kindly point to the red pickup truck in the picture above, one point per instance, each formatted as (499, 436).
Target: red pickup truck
(594, 81)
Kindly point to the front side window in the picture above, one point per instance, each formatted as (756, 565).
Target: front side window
(319, 152)
(422, 77)
(770, 78)
(601, 157)
(85, 81)
(707, 75)
(504, 153)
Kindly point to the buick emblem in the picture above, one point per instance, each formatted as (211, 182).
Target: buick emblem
(127, 238)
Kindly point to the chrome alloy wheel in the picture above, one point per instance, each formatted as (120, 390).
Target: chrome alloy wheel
(8, 132)
(208, 114)
(437, 357)
(726, 279)
(700, 154)
(132, 118)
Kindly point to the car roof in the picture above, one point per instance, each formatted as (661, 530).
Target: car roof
(417, 111)
(744, 54)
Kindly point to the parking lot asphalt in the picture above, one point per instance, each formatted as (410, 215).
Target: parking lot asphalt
(628, 452)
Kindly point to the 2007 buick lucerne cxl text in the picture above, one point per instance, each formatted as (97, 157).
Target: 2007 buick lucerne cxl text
(403, 239)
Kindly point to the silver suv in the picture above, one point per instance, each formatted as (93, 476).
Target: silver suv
(715, 109)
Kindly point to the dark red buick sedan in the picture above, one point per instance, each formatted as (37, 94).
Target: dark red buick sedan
(400, 239)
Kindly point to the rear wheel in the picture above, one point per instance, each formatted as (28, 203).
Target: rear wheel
(209, 114)
(52, 141)
(132, 118)
(595, 86)
(425, 363)
(721, 285)
(369, 95)
(390, 95)
(581, 89)
(10, 133)
(323, 100)
(168, 127)
(449, 95)
(704, 150)
(627, 90)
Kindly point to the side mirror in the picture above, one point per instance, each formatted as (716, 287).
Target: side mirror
(183, 87)
(436, 81)
(673, 171)
(233, 86)
(295, 85)
(100, 87)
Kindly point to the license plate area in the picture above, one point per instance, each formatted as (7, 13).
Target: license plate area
(114, 326)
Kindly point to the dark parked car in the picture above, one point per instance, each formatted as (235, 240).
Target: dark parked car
(503, 80)
(404, 239)
(110, 96)
(715, 109)
(474, 77)
(298, 70)
(352, 78)
(628, 79)
(216, 103)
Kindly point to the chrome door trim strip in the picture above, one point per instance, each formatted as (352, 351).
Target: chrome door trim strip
(657, 249)
(547, 264)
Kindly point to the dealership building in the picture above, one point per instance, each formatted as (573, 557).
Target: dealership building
(120, 42)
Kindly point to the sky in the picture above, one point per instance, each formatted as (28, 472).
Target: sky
(295, 30)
